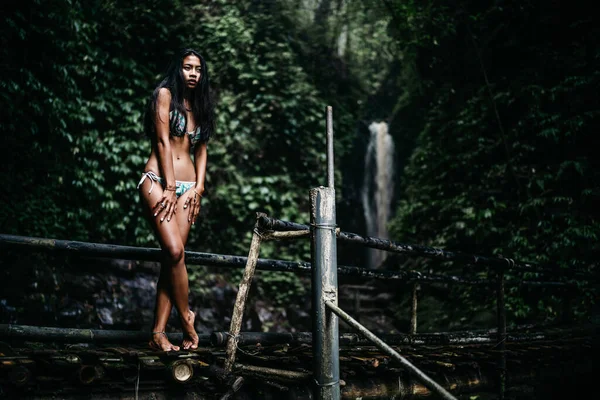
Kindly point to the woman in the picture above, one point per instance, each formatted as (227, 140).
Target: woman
(179, 120)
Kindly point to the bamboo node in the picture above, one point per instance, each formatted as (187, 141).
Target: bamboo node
(327, 384)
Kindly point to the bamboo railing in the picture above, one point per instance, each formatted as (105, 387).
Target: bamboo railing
(268, 359)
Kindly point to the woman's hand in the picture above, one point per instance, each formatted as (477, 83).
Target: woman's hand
(193, 202)
(166, 206)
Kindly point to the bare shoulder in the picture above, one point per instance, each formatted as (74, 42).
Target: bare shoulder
(163, 100)
(164, 94)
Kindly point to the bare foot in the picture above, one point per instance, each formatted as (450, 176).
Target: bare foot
(160, 342)
(190, 338)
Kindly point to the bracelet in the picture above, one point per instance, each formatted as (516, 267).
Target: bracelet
(194, 190)
(171, 188)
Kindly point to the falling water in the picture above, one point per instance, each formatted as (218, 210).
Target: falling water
(378, 187)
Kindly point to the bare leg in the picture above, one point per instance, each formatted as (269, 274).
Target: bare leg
(190, 338)
(170, 241)
(162, 310)
(173, 285)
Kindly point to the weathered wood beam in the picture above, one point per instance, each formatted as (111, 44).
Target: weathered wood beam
(72, 335)
(228, 261)
(414, 371)
(242, 295)
(432, 252)
(218, 339)
(257, 371)
(364, 372)
(285, 235)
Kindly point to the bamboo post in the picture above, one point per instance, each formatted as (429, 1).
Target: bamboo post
(324, 282)
(501, 315)
(413, 314)
(329, 127)
(242, 295)
(357, 303)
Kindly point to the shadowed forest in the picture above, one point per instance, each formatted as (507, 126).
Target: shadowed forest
(491, 109)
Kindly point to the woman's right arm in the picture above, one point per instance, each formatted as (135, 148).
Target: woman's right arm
(165, 158)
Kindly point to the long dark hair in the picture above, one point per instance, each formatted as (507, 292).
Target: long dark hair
(202, 106)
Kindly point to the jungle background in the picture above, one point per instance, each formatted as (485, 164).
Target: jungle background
(492, 107)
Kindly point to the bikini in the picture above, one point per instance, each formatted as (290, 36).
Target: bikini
(177, 128)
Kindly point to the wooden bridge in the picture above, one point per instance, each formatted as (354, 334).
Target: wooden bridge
(43, 362)
(526, 362)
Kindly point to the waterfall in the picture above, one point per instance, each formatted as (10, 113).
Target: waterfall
(378, 187)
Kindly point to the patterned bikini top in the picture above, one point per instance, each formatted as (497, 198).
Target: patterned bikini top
(177, 123)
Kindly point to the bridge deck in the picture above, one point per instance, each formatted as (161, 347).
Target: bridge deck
(40, 370)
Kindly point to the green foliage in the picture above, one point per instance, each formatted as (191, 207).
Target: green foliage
(503, 163)
(76, 85)
(503, 120)
(78, 77)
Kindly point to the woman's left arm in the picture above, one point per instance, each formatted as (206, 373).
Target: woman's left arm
(200, 158)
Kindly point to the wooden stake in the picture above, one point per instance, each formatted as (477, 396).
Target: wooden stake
(240, 301)
(413, 313)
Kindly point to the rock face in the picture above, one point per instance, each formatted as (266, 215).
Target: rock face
(70, 291)
(67, 291)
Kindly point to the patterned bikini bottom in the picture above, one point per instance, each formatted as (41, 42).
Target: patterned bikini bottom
(180, 186)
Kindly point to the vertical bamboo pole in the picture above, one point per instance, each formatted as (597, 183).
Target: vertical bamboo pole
(413, 313)
(357, 303)
(242, 295)
(324, 288)
(501, 315)
(330, 170)
(324, 282)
